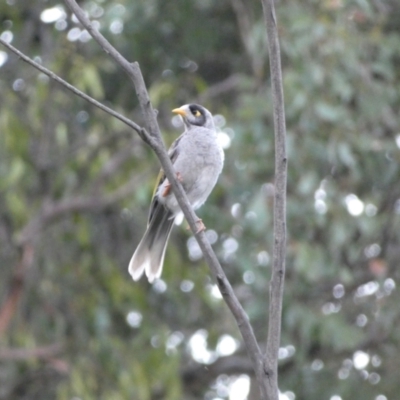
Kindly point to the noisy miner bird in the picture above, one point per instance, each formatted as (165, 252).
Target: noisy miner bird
(197, 158)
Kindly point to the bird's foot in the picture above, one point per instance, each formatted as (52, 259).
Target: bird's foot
(200, 226)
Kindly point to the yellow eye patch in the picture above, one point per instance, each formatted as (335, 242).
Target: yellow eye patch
(197, 113)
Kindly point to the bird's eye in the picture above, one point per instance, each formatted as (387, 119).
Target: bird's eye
(197, 113)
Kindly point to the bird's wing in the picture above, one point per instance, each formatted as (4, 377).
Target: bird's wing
(173, 153)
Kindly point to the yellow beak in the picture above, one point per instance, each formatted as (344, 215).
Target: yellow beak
(179, 111)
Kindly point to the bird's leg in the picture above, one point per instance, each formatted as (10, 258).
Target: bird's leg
(167, 187)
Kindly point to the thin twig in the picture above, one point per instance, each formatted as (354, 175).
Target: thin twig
(73, 89)
(155, 141)
(279, 249)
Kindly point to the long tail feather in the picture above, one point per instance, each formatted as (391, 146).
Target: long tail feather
(149, 255)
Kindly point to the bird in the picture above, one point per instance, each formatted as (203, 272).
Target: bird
(197, 159)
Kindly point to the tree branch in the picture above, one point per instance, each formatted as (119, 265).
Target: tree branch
(279, 249)
(155, 142)
(74, 90)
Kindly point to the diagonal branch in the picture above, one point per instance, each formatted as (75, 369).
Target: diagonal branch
(279, 249)
(74, 90)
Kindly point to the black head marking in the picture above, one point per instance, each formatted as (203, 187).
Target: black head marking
(198, 115)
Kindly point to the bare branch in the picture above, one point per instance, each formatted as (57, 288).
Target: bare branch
(76, 91)
(279, 249)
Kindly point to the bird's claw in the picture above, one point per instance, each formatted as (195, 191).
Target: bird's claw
(200, 226)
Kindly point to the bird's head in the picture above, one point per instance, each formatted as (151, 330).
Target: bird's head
(194, 114)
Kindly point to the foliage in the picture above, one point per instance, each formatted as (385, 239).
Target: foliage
(75, 186)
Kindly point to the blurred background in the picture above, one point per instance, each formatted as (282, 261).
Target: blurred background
(75, 185)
